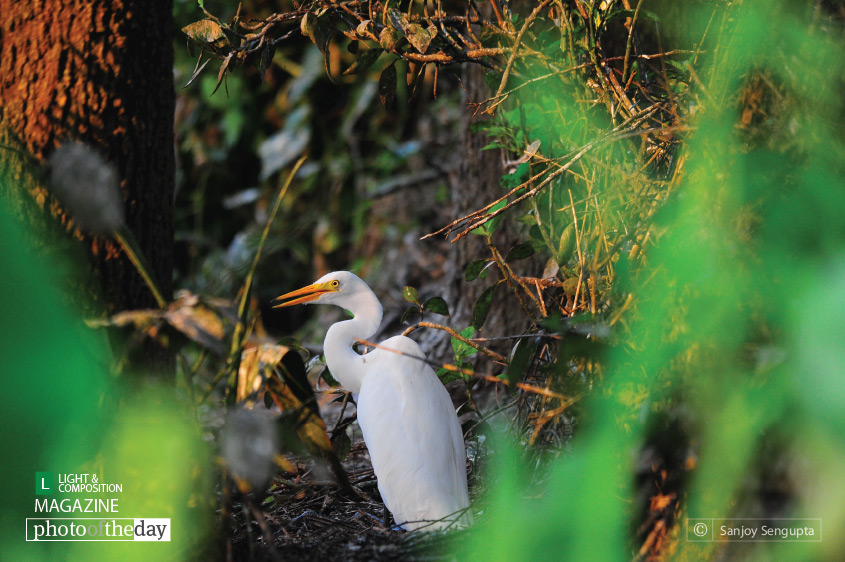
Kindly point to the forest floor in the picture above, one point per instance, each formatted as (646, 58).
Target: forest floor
(306, 516)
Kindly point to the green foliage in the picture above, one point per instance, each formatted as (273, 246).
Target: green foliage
(737, 303)
(66, 414)
(463, 351)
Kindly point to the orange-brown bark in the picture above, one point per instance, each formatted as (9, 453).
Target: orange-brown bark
(101, 72)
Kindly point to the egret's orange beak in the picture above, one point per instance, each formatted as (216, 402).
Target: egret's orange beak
(305, 294)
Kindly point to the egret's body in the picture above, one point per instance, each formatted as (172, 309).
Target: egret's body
(409, 425)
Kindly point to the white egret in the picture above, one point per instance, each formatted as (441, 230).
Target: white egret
(405, 413)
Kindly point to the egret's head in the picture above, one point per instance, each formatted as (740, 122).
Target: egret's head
(338, 288)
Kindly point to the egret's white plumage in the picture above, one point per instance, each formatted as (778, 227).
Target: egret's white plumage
(405, 413)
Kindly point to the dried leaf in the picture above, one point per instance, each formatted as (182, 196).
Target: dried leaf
(388, 38)
(199, 323)
(204, 31)
(197, 70)
(551, 269)
(139, 319)
(307, 23)
(222, 73)
(364, 29)
(295, 376)
(233, 38)
(254, 361)
(295, 398)
(416, 35)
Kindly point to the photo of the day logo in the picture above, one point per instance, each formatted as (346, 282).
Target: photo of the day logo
(63, 529)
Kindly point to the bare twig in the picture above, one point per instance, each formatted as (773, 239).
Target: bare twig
(468, 372)
(459, 337)
(515, 47)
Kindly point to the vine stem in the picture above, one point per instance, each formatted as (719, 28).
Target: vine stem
(130, 247)
(234, 362)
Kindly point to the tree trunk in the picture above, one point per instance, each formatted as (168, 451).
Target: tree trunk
(475, 183)
(101, 73)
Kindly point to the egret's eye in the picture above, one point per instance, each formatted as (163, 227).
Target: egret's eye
(335, 284)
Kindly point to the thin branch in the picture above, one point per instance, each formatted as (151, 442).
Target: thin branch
(459, 337)
(517, 41)
(449, 367)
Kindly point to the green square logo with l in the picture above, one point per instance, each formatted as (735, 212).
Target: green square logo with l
(43, 483)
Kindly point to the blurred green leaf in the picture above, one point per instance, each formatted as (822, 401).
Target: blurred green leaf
(570, 286)
(566, 245)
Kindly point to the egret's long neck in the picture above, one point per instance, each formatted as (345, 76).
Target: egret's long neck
(346, 366)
